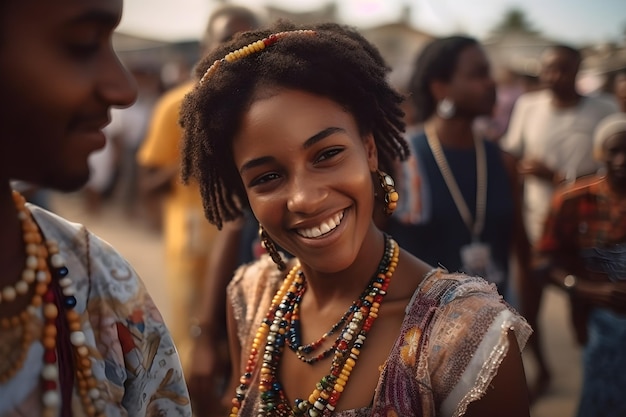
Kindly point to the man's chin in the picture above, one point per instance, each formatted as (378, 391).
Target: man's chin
(66, 183)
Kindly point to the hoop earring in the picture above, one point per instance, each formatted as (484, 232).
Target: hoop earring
(446, 108)
(270, 247)
(391, 195)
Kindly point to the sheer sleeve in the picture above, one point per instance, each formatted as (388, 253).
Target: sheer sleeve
(466, 340)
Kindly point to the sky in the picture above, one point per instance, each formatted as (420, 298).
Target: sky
(574, 21)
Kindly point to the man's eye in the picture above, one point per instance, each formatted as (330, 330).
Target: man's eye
(83, 50)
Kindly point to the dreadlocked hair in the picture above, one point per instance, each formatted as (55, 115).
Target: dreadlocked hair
(335, 62)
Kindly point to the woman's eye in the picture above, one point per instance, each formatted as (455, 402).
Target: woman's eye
(328, 154)
(264, 179)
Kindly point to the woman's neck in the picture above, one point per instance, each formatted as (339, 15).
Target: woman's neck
(346, 285)
(617, 187)
(453, 133)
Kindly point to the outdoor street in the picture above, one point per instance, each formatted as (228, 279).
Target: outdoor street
(144, 249)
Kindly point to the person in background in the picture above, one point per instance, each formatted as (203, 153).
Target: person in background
(551, 136)
(353, 324)
(188, 236)
(461, 209)
(509, 86)
(80, 334)
(583, 251)
(131, 129)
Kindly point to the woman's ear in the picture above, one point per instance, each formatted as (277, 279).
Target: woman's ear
(371, 151)
(439, 90)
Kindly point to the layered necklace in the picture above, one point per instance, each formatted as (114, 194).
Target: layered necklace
(281, 327)
(61, 337)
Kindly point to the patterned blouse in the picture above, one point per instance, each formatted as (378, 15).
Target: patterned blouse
(452, 341)
(133, 358)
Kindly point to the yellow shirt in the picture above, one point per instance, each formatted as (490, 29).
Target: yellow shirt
(187, 232)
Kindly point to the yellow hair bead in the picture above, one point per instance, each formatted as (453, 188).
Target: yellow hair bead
(251, 48)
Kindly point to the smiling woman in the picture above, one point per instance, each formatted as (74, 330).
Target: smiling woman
(300, 125)
(80, 335)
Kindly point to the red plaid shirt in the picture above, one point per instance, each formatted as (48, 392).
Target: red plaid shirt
(586, 214)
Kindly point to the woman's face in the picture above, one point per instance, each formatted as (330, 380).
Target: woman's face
(59, 77)
(615, 158)
(307, 173)
(472, 88)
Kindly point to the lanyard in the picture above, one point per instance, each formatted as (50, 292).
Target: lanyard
(475, 226)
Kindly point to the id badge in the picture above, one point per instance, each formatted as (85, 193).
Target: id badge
(476, 257)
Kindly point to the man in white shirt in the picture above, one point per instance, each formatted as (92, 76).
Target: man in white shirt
(550, 134)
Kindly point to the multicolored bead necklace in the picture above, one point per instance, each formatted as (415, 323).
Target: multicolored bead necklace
(45, 267)
(281, 326)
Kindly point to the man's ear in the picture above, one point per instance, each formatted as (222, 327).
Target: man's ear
(371, 151)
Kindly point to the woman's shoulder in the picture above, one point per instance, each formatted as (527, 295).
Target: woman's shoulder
(254, 283)
(467, 336)
(447, 287)
(466, 306)
(262, 271)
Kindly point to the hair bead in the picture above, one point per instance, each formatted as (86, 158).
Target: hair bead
(251, 48)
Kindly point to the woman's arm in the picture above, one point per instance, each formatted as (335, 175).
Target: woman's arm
(507, 394)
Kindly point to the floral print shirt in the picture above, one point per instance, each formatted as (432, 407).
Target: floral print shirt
(133, 358)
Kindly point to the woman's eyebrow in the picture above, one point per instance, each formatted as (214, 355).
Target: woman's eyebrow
(321, 135)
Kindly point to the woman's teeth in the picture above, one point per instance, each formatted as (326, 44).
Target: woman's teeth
(323, 228)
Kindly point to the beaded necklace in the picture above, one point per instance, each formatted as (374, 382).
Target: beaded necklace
(54, 291)
(282, 323)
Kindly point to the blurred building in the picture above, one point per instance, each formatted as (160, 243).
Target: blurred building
(173, 60)
(518, 51)
(600, 65)
(399, 43)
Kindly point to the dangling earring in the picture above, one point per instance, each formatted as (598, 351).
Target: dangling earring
(270, 247)
(446, 108)
(391, 195)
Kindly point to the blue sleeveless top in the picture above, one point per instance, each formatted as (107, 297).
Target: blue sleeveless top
(440, 233)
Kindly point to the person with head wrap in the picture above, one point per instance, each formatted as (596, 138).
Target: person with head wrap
(583, 250)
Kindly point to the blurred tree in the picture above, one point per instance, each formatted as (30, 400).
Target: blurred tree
(515, 20)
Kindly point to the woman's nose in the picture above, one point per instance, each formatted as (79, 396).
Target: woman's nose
(305, 194)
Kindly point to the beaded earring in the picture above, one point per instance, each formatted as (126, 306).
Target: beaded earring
(270, 247)
(391, 195)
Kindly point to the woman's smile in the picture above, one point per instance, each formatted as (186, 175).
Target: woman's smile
(322, 229)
